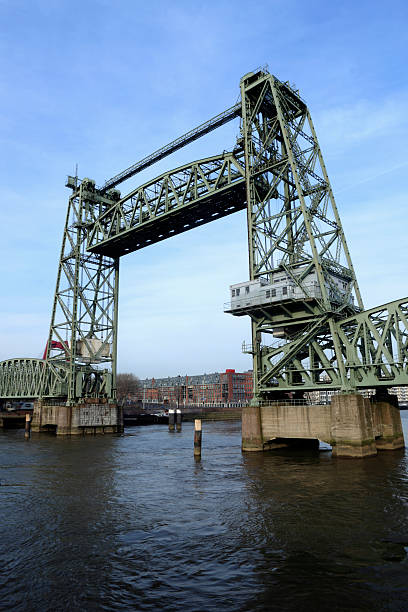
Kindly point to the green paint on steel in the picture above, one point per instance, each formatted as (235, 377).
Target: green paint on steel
(170, 204)
(276, 171)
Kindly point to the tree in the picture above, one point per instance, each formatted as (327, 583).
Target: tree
(127, 384)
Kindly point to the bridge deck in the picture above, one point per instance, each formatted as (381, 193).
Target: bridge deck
(170, 204)
(206, 209)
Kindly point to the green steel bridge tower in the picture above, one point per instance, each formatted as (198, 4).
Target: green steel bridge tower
(309, 327)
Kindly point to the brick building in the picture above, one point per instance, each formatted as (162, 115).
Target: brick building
(219, 388)
(223, 388)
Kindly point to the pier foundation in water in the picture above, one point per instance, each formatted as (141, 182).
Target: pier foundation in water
(88, 417)
(354, 426)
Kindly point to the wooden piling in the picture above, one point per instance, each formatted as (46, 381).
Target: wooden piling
(197, 437)
(27, 431)
(171, 420)
(178, 419)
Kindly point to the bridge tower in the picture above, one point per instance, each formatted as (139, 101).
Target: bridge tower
(296, 243)
(82, 341)
(85, 309)
(302, 283)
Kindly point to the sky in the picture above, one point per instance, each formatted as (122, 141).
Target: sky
(102, 84)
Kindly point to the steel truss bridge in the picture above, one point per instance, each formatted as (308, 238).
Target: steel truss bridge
(275, 171)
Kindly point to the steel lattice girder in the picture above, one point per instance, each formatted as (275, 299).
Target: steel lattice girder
(170, 204)
(293, 215)
(293, 228)
(84, 317)
(276, 171)
(373, 345)
(305, 362)
(32, 378)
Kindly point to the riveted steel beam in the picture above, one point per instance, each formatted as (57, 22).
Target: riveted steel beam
(323, 339)
(170, 204)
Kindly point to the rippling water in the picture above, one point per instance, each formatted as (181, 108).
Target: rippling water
(134, 523)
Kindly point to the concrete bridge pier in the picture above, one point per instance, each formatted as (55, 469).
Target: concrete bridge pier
(352, 433)
(355, 427)
(92, 416)
(387, 423)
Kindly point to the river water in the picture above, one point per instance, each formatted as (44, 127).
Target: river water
(134, 523)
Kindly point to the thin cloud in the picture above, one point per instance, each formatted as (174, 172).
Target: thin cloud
(344, 126)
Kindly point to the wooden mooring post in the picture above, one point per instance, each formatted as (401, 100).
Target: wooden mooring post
(197, 438)
(171, 420)
(178, 419)
(27, 431)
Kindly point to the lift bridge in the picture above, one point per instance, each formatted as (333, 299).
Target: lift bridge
(302, 293)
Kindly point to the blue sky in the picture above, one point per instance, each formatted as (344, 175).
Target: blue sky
(103, 83)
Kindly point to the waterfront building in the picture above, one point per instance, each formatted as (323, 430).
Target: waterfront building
(218, 388)
(224, 388)
(323, 396)
(402, 395)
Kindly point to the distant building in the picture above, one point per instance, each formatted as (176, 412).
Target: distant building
(225, 388)
(401, 393)
(229, 388)
(323, 396)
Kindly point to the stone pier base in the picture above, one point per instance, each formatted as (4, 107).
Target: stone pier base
(354, 426)
(252, 439)
(387, 426)
(90, 417)
(352, 433)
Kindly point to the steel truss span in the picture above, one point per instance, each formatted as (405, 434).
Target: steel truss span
(173, 203)
(309, 327)
(373, 345)
(31, 378)
(34, 378)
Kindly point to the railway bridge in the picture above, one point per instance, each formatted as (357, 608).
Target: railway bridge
(310, 330)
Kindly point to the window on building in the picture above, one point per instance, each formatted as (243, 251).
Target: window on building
(237, 292)
(268, 294)
(273, 292)
(233, 293)
(284, 290)
(247, 289)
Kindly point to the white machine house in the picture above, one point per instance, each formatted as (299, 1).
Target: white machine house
(284, 286)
